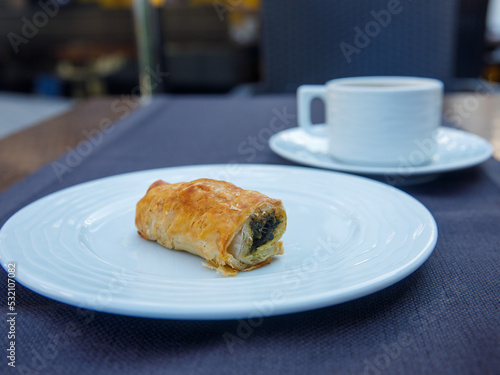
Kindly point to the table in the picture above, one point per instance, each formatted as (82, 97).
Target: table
(476, 113)
(444, 318)
(23, 153)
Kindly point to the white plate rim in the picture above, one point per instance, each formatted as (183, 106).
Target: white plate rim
(431, 168)
(298, 305)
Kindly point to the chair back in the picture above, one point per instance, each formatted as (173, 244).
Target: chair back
(312, 41)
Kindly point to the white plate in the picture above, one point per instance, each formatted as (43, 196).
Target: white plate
(457, 149)
(347, 237)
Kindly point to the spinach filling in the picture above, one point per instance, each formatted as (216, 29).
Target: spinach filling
(263, 228)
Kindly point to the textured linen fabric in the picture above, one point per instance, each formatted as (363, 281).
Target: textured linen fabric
(443, 318)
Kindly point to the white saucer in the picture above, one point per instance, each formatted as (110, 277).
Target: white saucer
(457, 149)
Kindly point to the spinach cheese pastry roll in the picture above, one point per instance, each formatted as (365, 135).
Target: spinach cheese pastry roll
(232, 228)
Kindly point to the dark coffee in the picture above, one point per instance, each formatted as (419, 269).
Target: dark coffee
(388, 85)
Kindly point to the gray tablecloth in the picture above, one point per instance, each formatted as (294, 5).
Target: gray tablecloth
(444, 318)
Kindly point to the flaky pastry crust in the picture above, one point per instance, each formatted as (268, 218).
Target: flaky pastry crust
(232, 228)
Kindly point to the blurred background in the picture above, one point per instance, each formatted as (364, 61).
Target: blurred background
(79, 55)
(86, 48)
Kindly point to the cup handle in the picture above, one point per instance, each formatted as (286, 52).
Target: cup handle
(305, 94)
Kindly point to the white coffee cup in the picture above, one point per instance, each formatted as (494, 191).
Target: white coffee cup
(380, 120)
